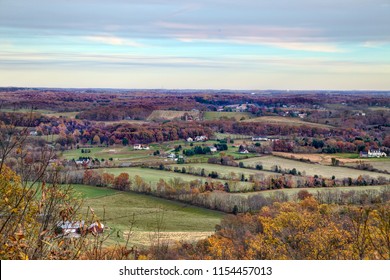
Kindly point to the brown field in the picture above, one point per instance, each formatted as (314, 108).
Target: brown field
(345, 159)
(286, 121)
(383, 165)
(171, 115)
(147, 238)
(315, 158)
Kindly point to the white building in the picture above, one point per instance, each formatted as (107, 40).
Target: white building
(201, 138)
(140, 147)
(259, 138)
(373, 153)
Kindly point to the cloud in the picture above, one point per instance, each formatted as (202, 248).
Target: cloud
(373, 44)
(114, 41)
(308, 47)
(290, 38)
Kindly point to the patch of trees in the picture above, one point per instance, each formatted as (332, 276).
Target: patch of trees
(197, 150)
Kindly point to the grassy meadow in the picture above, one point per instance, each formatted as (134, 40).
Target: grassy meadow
(117, 210)
(277, 120)
(310, 169)
(170, 115)
(293, 192)
(238, 116)
(117, 153)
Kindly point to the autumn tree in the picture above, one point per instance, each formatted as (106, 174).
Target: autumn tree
(122, 182)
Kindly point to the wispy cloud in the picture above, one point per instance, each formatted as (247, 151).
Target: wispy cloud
(373, 44)
(114, 41)
(290, 38)
(308, 47)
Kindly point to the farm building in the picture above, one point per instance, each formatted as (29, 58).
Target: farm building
(140, 147)
(69, 228)
(373, 153)
(96, 228)
(201, 138)
(189, 139)
(171, 155)
(259, 138)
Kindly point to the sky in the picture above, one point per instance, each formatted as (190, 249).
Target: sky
(204, 44)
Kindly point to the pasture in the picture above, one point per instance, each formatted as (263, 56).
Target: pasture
(238, 116)
(276, 120)
(115, 152)
(293, 192)
(117, 210)
(153, 176)
(380, 164)
(347, 159)
(172, 115)
(310, 169)
(227, 171)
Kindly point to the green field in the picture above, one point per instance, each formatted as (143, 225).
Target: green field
(309, 168)
(224, 170)
(116, 210)
(118, 152)
(211, 116)
(153, 176)
(88, 192)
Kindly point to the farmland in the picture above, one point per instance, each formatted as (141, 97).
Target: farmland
(153, 176)
(285, 121)
(117, 153)
(226, 171)
(171, 115)
(310, 168)
(231, 136)
(380, 164)
(238, 116)
(292, 193)
(116, 209)
(346, 159)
